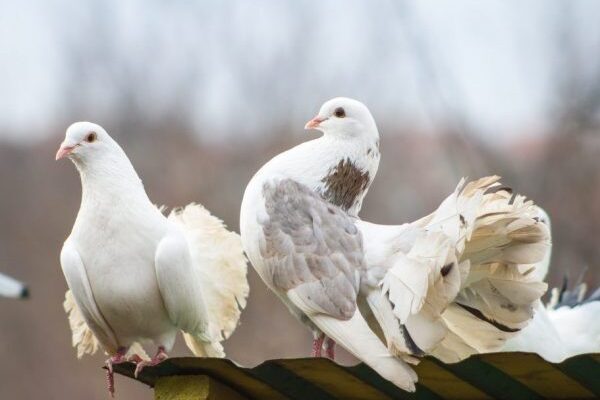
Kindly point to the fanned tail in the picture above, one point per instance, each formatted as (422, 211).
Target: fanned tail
(418, 288)
(203, 346)
(458, 281)
(503, 243)
(219, 259)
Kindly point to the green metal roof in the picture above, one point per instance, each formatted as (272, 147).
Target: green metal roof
(492, 376)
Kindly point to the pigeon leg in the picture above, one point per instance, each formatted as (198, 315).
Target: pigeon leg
(118, 358)
(330, 348)
(317, 345)
(160, 356)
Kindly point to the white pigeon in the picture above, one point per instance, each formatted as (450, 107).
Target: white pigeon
(136, 276)
(438, 286)
(297, 227)
(12, 288)
(567, 326)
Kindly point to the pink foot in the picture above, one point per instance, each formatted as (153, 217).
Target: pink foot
(118, 358)
(157, 359)
(136, 359)
(317, 345)
(330, 348)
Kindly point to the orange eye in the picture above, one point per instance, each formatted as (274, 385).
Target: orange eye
(339, 112)
(91, 137)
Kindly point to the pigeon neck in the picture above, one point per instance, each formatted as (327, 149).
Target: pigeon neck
(339, 169)
(112, 178)
(347, 179)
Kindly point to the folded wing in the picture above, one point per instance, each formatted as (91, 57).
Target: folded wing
(83, 339)
(313, 256)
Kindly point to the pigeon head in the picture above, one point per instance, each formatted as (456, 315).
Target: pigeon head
(100, 160)
(84, 140)
(344, 117)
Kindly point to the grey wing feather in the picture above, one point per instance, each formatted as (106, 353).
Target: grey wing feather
(312, 248)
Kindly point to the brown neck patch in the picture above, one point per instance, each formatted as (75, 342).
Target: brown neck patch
(344, 184)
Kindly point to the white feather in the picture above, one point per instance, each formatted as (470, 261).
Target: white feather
(556, 335)
(488, 240)
(83, 338)
(356, 337)
(221, 267)
(136, 276)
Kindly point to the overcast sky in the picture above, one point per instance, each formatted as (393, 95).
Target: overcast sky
(238, 67)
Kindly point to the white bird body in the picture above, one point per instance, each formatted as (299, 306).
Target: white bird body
(303, 174)
(114, 250)
(443, 285)
(558, 334)
(125, 303)
(540, 337)
(307, 163)
(353, 333)
(136, 276)
(578, 327)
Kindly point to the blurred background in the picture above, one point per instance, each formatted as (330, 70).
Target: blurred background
(201, 94)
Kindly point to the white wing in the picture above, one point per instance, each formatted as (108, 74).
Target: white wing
(180, 288)
(313, 252)
(83, 338)
(78, 282)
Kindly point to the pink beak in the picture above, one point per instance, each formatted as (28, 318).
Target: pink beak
(64, 151)
(314, 123)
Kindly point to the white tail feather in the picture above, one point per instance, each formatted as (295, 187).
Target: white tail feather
(453, 349)
(500, 290)
(201, 347)
(355, 336)
(465, 284)
(219, 259)
(82, 338)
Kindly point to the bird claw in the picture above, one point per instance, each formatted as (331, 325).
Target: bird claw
(317, 346)
(140, 366)
(330, 349)
(157, 359)
(321, 341)
(118, 358)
